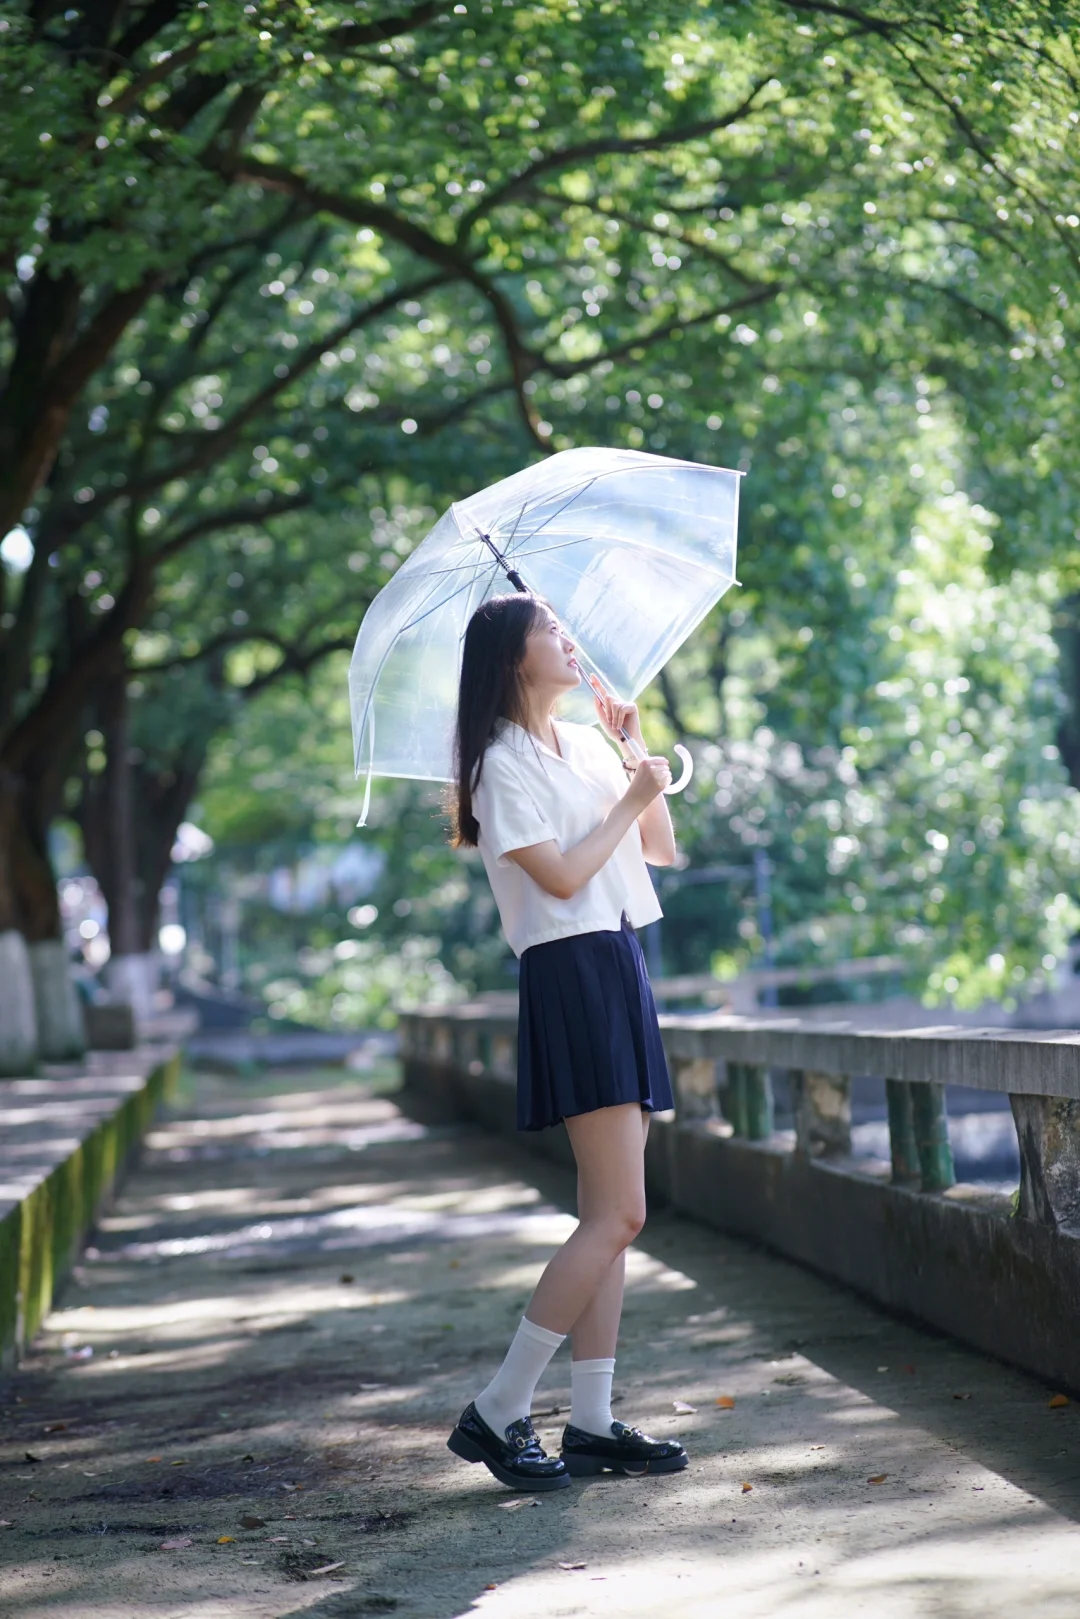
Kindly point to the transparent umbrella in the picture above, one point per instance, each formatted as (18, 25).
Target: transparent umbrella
(631, 550)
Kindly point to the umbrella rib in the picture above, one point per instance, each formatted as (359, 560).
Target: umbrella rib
(556, 513)
(413, 622)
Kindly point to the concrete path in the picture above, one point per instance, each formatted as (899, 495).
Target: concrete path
(300, 1289)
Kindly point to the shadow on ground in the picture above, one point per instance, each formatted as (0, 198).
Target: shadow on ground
(281, 1318)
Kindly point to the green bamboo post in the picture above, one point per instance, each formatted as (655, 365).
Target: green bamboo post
(759, 1103)
(749, 1103)
(903, 1148)
(735, 1102)
(931, 1123)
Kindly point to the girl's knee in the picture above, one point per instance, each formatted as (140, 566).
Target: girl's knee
(624, 1223)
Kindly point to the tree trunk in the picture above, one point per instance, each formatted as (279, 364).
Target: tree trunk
(58, 1014)
(18, 1020)
(61, 1032)
(158, 792)
(1067, 636)
(132, 972)
(18, 1016)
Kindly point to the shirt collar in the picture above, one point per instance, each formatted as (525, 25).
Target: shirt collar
(521, 737)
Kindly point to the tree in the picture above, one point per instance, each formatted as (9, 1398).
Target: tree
(554, 224)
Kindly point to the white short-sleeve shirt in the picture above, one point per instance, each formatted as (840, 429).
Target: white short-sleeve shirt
(527, 794)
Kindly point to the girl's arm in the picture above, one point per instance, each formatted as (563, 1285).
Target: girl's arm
(563, 874)
(654, 822)
(657, 833)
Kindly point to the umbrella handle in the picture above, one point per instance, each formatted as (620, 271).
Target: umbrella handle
(687, 771)
(640, 753)
(684, 754)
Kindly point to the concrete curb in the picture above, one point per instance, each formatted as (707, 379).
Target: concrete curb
(65, 1142)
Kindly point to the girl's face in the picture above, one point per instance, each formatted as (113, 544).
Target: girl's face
(549, 663)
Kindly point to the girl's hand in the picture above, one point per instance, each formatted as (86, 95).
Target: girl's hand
(615, 716)
(648, 782)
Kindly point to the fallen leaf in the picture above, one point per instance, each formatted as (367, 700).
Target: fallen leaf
(519, 1501)
(176, 1545)
(54, 1427)
(290, 1515)
(1056, 1401)
(817, 1447)
(292, 1488)
(309, 1543)
(181, 1462)
(747, 1488)
(684, 1408)
(491, 1587)
(569, 1566)
(346, 1276)
(279, 1540)
(961, 1396)
(327, 1568)
(877, 1478)
(883, 1368)
(153, 1458)
(6, 1523)
(226, 1540)
(30, 1456)
(455, 1264)
(251, 1520)
(726, 1403)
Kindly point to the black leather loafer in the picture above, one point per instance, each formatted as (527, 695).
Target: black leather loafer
(516, 1460)
(623, 1450)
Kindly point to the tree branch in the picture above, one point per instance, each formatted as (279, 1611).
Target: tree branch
(603, 146)
(217, 443)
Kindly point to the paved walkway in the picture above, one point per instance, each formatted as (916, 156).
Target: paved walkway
(299, 1291)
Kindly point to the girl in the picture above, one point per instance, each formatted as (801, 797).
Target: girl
(564, 835)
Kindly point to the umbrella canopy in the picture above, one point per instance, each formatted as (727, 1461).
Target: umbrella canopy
(631, 550)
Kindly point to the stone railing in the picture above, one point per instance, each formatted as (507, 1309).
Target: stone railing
(1001, 1273)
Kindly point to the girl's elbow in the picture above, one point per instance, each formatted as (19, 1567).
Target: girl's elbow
(558, 886)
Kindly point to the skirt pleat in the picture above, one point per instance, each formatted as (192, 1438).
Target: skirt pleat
(588, 1035)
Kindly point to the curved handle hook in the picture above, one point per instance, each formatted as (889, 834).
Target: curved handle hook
(687, 771)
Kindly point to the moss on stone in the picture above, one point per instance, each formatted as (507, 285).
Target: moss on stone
(41, 1237)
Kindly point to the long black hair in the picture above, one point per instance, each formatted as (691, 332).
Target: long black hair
(491, 689)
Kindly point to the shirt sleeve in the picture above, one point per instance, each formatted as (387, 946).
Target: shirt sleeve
(508, 814)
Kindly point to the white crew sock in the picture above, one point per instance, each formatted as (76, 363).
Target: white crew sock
(509, 1394)
(590, 1395)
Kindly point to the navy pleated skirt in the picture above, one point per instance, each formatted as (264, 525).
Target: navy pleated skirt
(587, 1030)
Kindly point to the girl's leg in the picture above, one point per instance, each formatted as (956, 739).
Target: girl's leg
(596, 1330)
(609, 1149)
(594, 1336)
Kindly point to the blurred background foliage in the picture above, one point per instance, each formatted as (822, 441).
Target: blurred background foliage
(283, 280)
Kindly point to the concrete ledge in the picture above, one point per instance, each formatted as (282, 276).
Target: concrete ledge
(65, 1139)
(956, 1260)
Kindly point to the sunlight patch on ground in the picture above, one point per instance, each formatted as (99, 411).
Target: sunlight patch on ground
(164, 1320)
(477, 1199)
(646, 1274)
